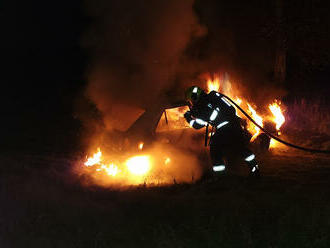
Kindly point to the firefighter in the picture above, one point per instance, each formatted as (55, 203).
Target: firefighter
(215, 110)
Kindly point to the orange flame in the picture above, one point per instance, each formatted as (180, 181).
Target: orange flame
(95, 159)
(238, 101)
(138, 165)
(276, 116)
(160, 166)
(110, 169)
(258, 119)
(141, 169)
(279, 118)
(213, 84)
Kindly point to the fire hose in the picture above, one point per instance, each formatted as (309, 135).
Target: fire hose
(273, 136)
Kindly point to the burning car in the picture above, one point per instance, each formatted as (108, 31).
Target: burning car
(161, 148)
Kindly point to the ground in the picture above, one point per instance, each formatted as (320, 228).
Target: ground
(43, 205)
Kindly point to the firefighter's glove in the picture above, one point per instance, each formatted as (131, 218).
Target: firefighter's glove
(187, 116)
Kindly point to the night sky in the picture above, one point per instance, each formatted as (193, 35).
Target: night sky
(44, 68)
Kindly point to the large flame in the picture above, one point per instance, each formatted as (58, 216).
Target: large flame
(213, 84)
(136, 165)
(279, 118)
(174, 117)
(275, 115)
(95, 159)
(258, 119)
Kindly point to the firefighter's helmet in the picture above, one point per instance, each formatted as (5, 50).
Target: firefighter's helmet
(193, 94)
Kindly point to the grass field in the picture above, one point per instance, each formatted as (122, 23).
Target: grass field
(43, 205)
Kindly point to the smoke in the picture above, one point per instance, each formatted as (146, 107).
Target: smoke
(141, 51)
(144, 52)
(137, 49)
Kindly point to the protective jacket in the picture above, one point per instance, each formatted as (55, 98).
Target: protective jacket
(216, 110)
(212, 108)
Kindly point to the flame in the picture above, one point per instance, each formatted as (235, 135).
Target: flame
(213, 84)
(276, 111)
(95, 159)
(138, 169)
(238, 101)
(279, 118)
(273, 143)
(152, 167)
(227, 88)
(258, 119)
(111, 169)
(138, 165)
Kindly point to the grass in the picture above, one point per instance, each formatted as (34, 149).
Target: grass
(310, 115)
(46, 207)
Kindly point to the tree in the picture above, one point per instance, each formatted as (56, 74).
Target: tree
(281, 44)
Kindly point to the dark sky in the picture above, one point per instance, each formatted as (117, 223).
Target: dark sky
(43, 70)
(42, 48)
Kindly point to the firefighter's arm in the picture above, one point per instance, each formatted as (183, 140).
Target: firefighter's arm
(194, 122)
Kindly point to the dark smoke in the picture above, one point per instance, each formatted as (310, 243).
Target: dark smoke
(137, 49)
(141, 51)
